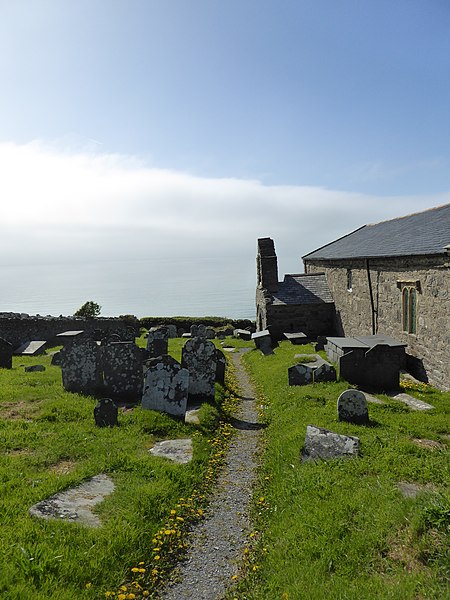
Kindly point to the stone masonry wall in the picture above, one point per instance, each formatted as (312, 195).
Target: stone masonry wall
(429, 347)
(20, 328)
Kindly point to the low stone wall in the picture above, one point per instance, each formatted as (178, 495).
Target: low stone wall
(20, 328)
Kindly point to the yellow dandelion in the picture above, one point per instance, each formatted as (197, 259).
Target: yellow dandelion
(145, 593)
(135, 570)
(157, 557)
(121, 597)
(173, 512)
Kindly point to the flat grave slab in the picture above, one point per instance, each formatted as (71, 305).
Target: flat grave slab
(411, 402)
(179, 451)
(295, 337)
(75, 504)
(32, 348)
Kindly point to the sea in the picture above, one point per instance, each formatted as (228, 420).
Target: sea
(147, 287)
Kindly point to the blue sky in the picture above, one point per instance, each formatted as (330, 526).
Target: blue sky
(200, 121)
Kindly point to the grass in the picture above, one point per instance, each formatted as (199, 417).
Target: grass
(342, 529)
(49, 442)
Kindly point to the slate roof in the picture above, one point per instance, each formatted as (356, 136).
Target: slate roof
(421, 233)
(302, 289)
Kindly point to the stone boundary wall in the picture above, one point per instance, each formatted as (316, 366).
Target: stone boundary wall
(428, 349)
(20, 328)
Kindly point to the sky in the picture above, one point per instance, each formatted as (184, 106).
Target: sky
(189, 128)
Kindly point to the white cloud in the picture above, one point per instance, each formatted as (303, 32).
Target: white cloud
(73, 205)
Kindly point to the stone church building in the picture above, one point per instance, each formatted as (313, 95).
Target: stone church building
(391, 278)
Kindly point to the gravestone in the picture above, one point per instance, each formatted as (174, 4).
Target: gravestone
(157, 341)
(33, 348)
(122, 371)
(352, 407)
(210, 333)
(80, 367)
(34, 368)
(56, 359)
(324, 444)
(199, 358)
(263, 341)
(105, 413)
(166, 386)
(193, 330)
(201, 331)
(179, 451)
(220, 366)
(5, 354)
(242, 334)
(315, 370)
(172, 331)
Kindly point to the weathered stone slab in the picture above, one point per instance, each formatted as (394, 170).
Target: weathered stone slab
(263, 341)
(33, 348)
(324, 444)
(76, 503)
(179, 451)
(122, 371)
(172, 331)
(166, 386)
(34, 368)
(315, 370)
(67, 337)
(199, 358)
(106, 413)
(296, 337)
(5, 354)
(413, 403)
(352, 407)
(80, 367)
(372, 399)
(243, 334)
(157, 341)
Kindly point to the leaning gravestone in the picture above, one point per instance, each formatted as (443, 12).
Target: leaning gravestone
(5, 354)
(122, 371)
(105, 413)
(263, 341)
(314, 370)
(80, 367)
(157, 342)
(166, 386)
(324, 444)
(199, 358)
(352, 407)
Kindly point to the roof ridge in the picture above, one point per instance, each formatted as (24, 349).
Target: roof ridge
(419, 212)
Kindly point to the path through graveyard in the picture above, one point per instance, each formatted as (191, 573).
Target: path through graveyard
(217, 543)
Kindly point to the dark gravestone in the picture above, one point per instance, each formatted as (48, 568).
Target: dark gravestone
(105, 413)
(172, 331)
(263, 341)
(193, 330)
(166, 386)
(5, 354)
(314, 370)
(199, 358)
(80, 367)
(34, 368)
(157, 341)
(122, 371)
(324, 444)
(242, 334)
(352, 407)
(220, 366)
(56, 359)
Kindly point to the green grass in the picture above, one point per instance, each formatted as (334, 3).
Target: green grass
(341, 529)
(49, 442)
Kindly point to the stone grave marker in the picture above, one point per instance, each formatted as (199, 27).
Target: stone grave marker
(5, 354)
(106, 413)
(33, 348)
(220, 366)
(352, 407)
(122, 371)
(34, 368)
(157, 341)
(324, 444)
(172, 331)
(314, 370)
(210, 333)
(199, 358)
(242, 334)
(166, 386)
(80, 367)
(201, 331)
(179, 451)
(193, 330)
(263, 341)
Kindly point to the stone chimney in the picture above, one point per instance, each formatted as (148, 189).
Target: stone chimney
(267, 265)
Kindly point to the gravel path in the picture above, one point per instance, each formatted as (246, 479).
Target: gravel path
(218, 542)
